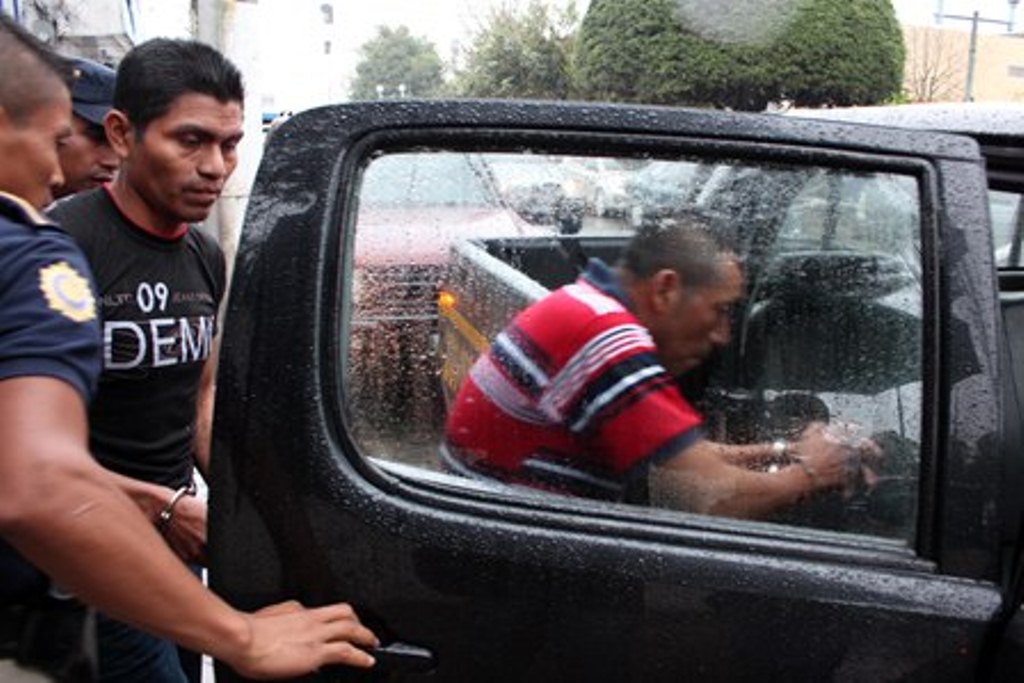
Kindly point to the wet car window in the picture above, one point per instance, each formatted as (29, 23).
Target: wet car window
(399, 181)
(1007, 227)
(449, 246)
(411, 207)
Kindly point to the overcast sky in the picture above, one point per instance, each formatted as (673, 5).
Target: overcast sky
(922, 11)
(293, 32)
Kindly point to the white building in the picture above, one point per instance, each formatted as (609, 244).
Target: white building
(102, 30)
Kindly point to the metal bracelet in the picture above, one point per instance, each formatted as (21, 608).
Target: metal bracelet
(163, 520)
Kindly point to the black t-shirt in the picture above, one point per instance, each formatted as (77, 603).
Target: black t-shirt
(48, 328)
(158, 305)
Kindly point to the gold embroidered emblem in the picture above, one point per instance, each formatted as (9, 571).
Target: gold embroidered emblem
(67, 292)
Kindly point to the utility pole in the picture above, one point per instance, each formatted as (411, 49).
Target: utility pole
(972, 51)
(972, 58)
(229, 25)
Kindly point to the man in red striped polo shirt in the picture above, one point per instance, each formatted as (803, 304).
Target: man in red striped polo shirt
(577, 395)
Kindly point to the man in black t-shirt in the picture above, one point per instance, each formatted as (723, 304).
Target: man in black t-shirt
(59, 510)
(175, 124)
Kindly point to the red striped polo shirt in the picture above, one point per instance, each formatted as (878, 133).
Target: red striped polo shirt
(570, 397)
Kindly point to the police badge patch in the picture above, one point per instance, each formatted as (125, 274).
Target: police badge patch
(67, 292)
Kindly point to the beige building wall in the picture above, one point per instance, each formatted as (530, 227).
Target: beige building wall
(937, 62)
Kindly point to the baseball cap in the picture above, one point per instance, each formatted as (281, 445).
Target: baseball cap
(92, 93)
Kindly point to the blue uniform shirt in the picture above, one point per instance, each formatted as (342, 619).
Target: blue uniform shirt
(48, 328)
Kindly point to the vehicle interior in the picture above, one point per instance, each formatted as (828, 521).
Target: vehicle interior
(830, 328)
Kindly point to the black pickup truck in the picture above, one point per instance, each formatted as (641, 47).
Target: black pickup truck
(872, 293)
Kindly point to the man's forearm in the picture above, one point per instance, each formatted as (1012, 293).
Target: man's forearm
(204, 421)
(70, 518)
(704, 479)
(150, 498)
(749, 455)
(92, 519)
(204, 414)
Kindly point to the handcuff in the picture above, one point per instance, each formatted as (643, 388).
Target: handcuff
(163, 520)
(781, 451)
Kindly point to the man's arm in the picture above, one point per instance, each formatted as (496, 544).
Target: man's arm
(63, 511)
(204, 414)
(712, 478)
(186, 531)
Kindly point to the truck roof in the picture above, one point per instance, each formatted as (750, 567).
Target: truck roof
(978, 119)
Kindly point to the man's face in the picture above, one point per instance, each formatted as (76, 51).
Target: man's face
(29, 148)
(698, 320)
(86, 158)
(179, 166)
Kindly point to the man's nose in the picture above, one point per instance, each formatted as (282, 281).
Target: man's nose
(56, 178)
(213, 164)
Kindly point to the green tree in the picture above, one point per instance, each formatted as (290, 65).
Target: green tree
(524, 54)
(402, 64)
(629, 50)
(841, 53)
(740, 54)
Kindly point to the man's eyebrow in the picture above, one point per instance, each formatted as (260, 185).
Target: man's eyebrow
(204, 132)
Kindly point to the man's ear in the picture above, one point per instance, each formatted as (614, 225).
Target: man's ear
(666, 289)
(119, 132)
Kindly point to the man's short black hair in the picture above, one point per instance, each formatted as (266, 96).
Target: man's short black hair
(156, 73)
(25, 65)
(686, 242)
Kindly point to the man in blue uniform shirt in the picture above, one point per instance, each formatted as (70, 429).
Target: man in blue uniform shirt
(59, 510)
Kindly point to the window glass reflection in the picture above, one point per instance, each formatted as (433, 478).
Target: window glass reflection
(816, 339)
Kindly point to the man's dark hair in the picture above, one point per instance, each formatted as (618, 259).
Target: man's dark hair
(686, 242)
(25, 65)
(156, 73)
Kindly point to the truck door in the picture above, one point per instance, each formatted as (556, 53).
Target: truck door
(869, 302)
(1005, 172)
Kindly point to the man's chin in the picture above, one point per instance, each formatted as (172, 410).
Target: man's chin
(697, 360)
(195, 214)
(684, 366)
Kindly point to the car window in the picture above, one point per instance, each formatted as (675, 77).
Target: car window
(996, 127)
(1007, 227)
(828, 329)
(401, 181)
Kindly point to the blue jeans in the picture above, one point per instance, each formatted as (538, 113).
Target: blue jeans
(128, 655)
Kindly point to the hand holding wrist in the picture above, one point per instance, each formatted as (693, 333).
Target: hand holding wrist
(166, 515)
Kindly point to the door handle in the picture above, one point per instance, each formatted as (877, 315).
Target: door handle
(404, 658)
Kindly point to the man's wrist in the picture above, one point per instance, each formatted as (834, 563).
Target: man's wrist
(807, 468)
(224, 633)
(236, 639)
(166, 515)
